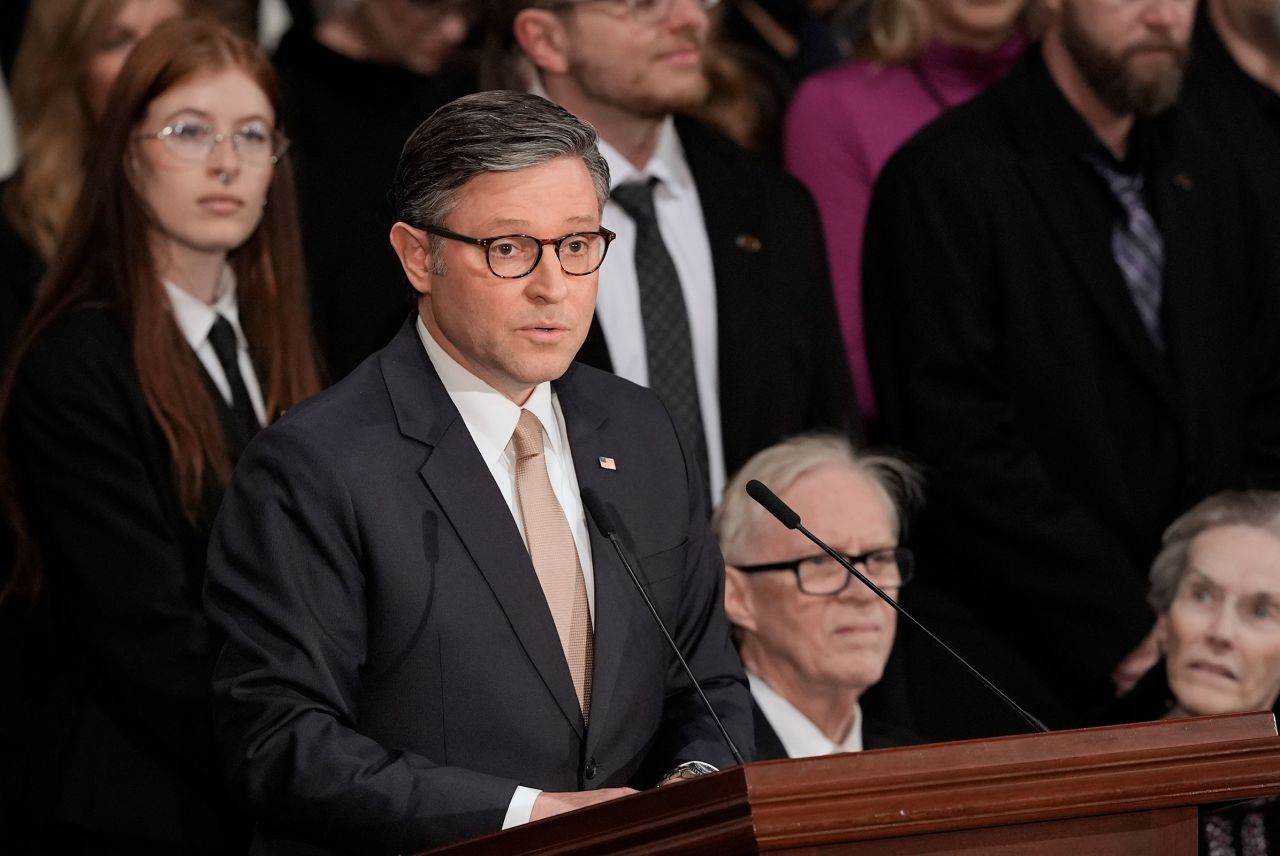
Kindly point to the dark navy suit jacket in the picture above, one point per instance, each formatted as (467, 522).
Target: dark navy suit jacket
(391, 671)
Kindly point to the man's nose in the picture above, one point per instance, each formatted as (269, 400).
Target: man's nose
(1163, 14)
(547, 281)
(688, 13)
(857, 591)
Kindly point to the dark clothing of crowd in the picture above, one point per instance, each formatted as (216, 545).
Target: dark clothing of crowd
(348, 121)
(1008, 357)
(1058, 432)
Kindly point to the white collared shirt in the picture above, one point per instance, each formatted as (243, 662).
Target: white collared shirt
(491, 418)
(196, 318)
(684, 232)
(799, 736)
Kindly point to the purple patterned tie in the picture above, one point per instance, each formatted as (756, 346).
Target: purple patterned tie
(1138, 248)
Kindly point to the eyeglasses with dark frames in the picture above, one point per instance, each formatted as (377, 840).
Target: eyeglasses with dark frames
(194, 140)
(822, 576)
(516, 256)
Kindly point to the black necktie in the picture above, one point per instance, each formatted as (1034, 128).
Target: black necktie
(244, 420)
(668, 344)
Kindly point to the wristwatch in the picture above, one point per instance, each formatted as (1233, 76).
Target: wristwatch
(687, 770)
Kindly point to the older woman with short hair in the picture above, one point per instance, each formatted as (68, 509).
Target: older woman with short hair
(1215, 587)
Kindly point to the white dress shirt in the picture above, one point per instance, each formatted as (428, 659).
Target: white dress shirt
(679, 213)
(799, 736)
(491, 418)
(196, 318)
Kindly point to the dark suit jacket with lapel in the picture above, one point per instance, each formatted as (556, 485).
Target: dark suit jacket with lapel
(121, 744)
(779, 345)
(1009, 358)
(391, 671)
(875, 735)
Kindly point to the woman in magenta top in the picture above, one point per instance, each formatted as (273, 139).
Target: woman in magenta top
(918, 58)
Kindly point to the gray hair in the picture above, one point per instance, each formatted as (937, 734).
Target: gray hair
(1257, 508)
(498, 131)
(781, 465)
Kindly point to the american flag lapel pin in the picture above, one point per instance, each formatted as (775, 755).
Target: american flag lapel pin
(607, 463)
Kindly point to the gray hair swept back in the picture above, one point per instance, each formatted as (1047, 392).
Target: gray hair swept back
(780, 466)
(1257, 508)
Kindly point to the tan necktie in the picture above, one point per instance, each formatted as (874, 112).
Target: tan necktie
(555, 557)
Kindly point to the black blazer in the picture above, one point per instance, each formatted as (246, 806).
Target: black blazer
(391, 671)
(875, 735)
(779, 345)
(122, 743)
(1008, 358)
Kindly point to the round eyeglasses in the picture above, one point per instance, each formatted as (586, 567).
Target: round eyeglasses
(641, 11)
(193, 140)
(514, 256)
(891, 568)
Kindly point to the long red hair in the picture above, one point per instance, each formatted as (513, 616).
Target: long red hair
(106, 258)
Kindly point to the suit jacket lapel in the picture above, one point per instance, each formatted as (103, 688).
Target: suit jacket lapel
(615, 595)
(729, 204)
(1054, 181)
(459, 481)
(1187, 290)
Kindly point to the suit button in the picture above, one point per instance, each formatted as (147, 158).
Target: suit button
(590, 771)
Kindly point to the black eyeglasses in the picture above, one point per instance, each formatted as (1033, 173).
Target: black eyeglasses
(822, 576)
(514, 256)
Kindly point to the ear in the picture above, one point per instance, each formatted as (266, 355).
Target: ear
(541, 35)
(739, 605)
(1162, 632)
(413, 246)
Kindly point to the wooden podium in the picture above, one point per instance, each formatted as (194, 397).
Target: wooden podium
(1131, 789)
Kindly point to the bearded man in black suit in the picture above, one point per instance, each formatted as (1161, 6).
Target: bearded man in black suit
(1072, 325)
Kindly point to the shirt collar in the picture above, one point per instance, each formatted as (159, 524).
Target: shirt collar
(490, 416)
(195, 317)
(668, 163)
(797, 733)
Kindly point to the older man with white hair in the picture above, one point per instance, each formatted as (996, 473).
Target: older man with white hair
(812, 637)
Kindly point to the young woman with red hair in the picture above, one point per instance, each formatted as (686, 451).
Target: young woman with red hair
(172, 325)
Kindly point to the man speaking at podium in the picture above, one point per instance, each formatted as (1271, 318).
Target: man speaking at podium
(424, 640)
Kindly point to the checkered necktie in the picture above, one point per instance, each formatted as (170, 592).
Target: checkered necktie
(668, 344)
(555, 556)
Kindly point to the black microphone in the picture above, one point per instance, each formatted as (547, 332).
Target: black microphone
(788, 518)
(608, 527)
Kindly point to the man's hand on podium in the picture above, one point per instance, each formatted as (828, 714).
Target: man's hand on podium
(549, 804)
